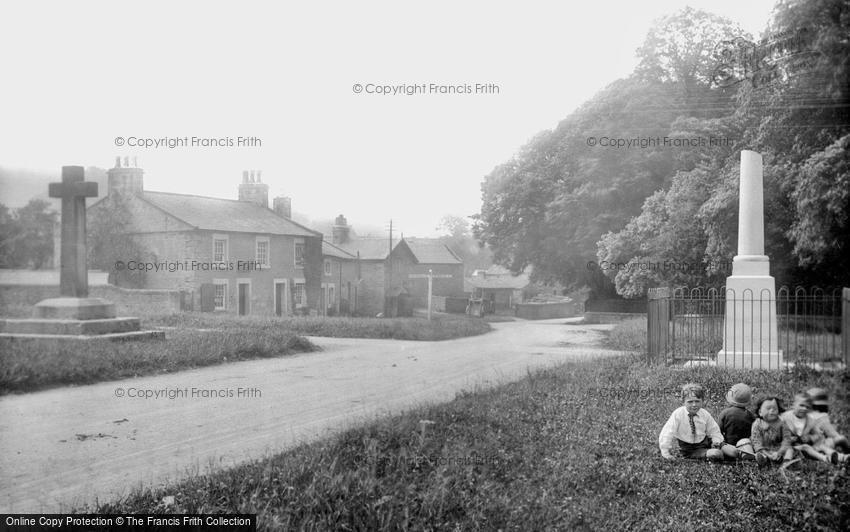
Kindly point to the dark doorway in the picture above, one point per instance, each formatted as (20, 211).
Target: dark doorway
(244, 294)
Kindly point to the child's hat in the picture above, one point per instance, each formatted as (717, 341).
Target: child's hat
(819, 396)
(739, 395)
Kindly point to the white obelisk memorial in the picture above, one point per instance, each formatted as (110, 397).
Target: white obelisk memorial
(750, 338)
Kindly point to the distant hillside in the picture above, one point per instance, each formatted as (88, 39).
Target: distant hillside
(18, 186)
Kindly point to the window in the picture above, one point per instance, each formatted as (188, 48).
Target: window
(262, 255)
(299, 254)
(330, 295)
(327, 267)
(219, 248)
(220, 294)
(299, 294)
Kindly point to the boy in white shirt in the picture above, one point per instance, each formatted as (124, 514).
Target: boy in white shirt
(696, 432)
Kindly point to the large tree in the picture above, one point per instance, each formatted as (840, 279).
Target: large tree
(26, 235)
(561, 202)
(550, 205)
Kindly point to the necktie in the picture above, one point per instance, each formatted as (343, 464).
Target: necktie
(693, 426)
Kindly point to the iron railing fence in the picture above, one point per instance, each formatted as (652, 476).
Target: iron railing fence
(812, 326)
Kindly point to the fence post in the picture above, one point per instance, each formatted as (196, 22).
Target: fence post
(845, 325)
(657, 318)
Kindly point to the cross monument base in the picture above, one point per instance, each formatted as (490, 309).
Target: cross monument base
(75, 308)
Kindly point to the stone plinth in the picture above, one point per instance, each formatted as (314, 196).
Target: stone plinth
(75, 308)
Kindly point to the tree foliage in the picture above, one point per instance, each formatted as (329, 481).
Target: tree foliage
(458, 237)
(110, 240)
(561, 202)
(26, 235)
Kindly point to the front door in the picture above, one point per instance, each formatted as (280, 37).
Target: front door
(244, 292)
(279, 298)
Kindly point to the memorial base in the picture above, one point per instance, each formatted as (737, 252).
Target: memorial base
(73, 318)
(750, 338)
(751, 360)
(75, 308)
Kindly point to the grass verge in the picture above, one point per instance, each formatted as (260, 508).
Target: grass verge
(628, 335)
(30, 365)
(555, 451)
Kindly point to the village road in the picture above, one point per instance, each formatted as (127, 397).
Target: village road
(69, 446)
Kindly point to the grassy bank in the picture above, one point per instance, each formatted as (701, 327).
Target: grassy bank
(442, 327)
(572, 448)
(30, 365)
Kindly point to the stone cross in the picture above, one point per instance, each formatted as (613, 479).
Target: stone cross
(73, 276)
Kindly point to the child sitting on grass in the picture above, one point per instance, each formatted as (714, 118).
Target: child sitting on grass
(770, 435)
(805, 434)
(692, 427)
(820, 415)
(736, 423)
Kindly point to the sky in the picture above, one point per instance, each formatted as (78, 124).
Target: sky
(77, 76)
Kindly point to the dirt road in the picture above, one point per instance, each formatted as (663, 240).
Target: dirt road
(68, 446)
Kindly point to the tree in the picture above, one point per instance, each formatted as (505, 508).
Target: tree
(821, 230)
(683, 48)
(459, 239)
(109, 241)
(9, 233)
(26, 235)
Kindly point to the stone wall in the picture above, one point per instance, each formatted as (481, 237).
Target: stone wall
(17, 301)
(542, 311)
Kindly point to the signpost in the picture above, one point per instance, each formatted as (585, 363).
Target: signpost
(430, 276)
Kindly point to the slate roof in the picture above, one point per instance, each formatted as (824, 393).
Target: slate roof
(225, 215)
(432, 251)
(331, 250)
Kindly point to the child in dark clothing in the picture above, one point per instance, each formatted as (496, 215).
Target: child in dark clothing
(736, 423)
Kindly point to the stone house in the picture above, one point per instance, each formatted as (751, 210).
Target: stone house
(235, 256)
(340, 278)
(378, 271)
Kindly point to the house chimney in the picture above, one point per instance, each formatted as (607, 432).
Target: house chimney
(252, 191)
(126, 179)
(283, 206)
(340, 230)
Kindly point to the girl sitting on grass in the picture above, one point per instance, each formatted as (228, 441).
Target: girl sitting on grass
(770, 436)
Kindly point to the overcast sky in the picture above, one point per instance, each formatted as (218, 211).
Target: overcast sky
(76, 75)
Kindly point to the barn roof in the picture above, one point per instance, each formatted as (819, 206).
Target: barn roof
(432, 251)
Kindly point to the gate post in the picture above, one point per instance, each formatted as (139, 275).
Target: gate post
(657, 323)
